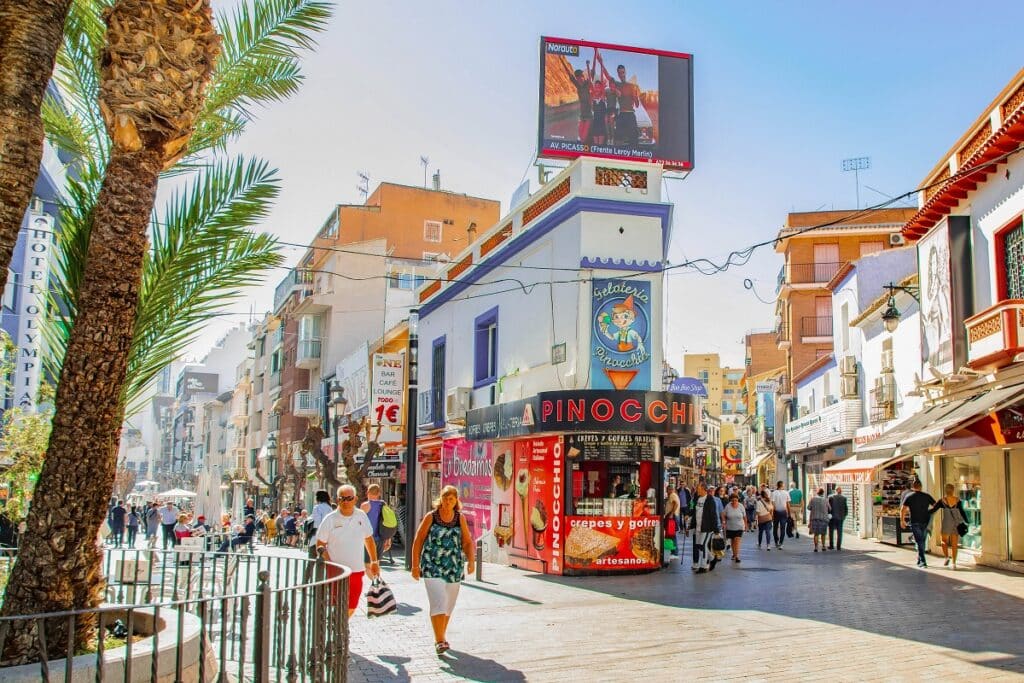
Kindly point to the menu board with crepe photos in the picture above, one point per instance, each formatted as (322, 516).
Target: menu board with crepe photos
(611, 543)
(538, 501)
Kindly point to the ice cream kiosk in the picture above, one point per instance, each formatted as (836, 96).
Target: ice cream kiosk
(576, 476)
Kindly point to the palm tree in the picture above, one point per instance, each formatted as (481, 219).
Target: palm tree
(30, 33)
(133, 308)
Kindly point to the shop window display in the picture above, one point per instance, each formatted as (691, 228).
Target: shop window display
(964, 473)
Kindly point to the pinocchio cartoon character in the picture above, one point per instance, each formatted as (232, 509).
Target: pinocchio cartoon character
(622, 317)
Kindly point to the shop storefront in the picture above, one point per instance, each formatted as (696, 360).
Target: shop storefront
(577, 477)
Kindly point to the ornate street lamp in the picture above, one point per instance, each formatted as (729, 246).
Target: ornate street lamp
(337, 408)
(891, 316)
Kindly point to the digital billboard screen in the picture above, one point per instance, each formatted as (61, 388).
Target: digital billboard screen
(615, 102)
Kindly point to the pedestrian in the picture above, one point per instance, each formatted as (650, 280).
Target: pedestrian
(765, 513)
(243, 537)
(707, 521)
(249, 508)
(373, 506)
(271, 524)
(750, 505)
(796, 507)
(168, 518)
(132, 523)
(838, 510)
(341, 537)
(685, 505)
(953, 516)
(279, 527)
(321, 509)
(780, 520)
(442, 541)
(291, 530)
(152, 524)
(116, 519)
(917, 511)
(734, 518)
(818, 509)
(181, 528)
(670, 522)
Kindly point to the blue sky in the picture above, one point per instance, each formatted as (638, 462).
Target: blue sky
(783, 93)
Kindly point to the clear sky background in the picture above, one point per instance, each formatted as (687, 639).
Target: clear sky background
(783, 92)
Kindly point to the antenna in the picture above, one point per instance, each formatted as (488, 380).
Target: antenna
(364, 185)
(856, 165)
(424, 161)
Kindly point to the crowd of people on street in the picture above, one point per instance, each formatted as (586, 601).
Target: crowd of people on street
(719, 517)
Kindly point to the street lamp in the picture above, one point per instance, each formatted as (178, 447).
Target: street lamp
(412, 420)
(337, 408)
(891, 315)
(271, 446)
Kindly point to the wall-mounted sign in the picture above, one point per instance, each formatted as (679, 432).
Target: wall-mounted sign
(558, 353)
(620, 357)
(192, 383)
(615, 447)
(353, 373)
(387, 396)
(31, 306)
(688, 385)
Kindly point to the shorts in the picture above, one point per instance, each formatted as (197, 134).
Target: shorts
(441, 595)
(734, 533)
(355, 585)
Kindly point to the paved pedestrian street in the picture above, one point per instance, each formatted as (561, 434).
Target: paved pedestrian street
(863, 614)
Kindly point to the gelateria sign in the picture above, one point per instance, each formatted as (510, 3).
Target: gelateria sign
(620, 357)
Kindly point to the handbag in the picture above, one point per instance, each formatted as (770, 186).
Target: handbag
(379, 599)
(718, 543)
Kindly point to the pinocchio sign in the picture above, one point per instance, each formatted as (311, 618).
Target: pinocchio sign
(595, 411)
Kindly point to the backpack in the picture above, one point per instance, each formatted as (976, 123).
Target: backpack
(388, 518)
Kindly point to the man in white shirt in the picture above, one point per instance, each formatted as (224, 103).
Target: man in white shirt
(342, 536)
(320, 510)
(780, 499)
(168, 518)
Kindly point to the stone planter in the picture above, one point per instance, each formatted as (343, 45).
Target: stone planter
(84, 666)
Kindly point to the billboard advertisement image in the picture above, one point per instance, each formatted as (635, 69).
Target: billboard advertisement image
(615, 102)
(936, 300)
(469, 467)
(621, 335)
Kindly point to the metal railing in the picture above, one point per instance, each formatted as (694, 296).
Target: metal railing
(193, 615)
(816, 326)
(782, 333)
(305, 402)
(810, 273)
(309, 349)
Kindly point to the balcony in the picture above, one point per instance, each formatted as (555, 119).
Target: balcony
(307, 356)
(274, 423)
(296, 280)
(305, 403)
(275, 381)
(240, 413)
(782, 337)
(882, 407)
(278, 337)
(807, 275)
(816, 329)
(996, 335)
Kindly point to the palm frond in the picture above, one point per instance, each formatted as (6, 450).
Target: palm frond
(65, 129)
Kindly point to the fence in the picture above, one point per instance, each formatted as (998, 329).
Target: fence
(196, 615)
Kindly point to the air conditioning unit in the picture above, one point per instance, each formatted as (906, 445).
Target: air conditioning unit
(848, 365)
(457, 404)
(831, 400)
(887, 360)
(804, 411)
(896, 239)
(849, 386)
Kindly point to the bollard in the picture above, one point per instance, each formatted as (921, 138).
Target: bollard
(479, 559)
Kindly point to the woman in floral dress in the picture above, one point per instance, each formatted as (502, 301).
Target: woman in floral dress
(442, 543)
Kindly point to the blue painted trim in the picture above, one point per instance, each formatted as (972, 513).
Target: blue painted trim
(544, 225)
(620, 264)
(480, 326)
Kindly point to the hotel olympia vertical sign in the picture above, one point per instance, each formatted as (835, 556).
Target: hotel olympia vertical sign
(620, 356)
(31, 307)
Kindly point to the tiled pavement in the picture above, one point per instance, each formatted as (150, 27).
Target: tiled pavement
(863, 614)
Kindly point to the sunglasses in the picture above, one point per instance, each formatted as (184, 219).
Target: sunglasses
(347, 498)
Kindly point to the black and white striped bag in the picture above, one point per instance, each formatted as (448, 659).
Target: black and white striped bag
(379, 599)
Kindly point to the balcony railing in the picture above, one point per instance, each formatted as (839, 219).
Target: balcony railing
(275, 380)
(296, 280)
(308, 353)
(274, 422)
(882, 407)
(816, 326)
(782, 334)
(809, 273)
(305, 403)
(995, 336)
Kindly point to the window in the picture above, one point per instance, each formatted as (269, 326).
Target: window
(726, 406)
(485, 349)
(12, 283)
(1011, 253)
(437, 386)
(702, 375)
(262, 347)
(432, 231)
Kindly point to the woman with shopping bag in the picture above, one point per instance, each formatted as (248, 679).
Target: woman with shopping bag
(441, 554)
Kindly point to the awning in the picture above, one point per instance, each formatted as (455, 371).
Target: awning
(929, 428)
(857, 471)
(757, 461)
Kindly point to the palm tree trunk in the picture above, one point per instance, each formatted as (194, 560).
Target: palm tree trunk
(60, 558)
(30, 33)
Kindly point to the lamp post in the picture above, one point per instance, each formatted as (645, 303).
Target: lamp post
(891, 315)
(410, 438)
(337, 409)
(271, 447)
